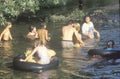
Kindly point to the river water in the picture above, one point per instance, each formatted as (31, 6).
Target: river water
(74, 63)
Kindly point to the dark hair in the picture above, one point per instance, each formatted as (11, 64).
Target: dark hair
(77, 26)
(42, 25)
(31, 28)
(70, 22)
(110, 44)
(86, 17)
(8, 23)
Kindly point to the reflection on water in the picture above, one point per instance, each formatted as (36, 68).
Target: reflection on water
(74, 63)
(104, 69)
(7, 50)
(91, 43)
(45, 74)
(7, 45)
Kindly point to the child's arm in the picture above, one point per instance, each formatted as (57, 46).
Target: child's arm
(11, 36)
(79, 38)
(98, 34)
(47, 38)
(2, 34)
(33, 52)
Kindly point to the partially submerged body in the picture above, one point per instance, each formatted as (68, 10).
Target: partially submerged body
(88, 29)
(43, 34)
(32, 33)
(44, 55)
(110, 45)
(67, 34)
(77, 37)
(6, 34)
(70, 36)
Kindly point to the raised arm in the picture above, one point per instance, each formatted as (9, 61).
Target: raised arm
(33, 52)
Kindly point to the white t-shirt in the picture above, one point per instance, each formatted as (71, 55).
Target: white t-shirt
(88, 28)
(43, 55)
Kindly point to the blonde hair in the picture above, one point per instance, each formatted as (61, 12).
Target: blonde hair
(77, 26)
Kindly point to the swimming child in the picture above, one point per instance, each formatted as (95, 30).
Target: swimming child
(110, 45)
(77, 43)
(32, 33)
(88, 29)
(6, 34)
(43, 33)
(44, 54)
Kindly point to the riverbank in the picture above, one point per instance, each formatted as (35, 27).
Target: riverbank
(106, 16)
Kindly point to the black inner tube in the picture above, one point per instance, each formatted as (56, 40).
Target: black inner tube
(29, 66)
(110, 54)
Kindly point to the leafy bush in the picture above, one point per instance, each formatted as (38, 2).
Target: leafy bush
(57, 18)
(11, 9)
(76, 15)
(53, 3)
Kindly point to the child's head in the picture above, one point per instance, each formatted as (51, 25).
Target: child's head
(70, 22)
(43, 25)
(77, 26)
(31, 28)
(87, 19)
(8, 24)
(110, 44)
(34, 29)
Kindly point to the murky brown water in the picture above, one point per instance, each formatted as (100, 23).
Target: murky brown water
(74, 63)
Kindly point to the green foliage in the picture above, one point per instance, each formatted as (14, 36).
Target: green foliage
(53, 3)
(2, 19)
(76, 15)
(57, 18)
(10, 9)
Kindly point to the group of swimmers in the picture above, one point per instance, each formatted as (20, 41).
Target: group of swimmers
(40, 36)
(41, 33)
(70, 38)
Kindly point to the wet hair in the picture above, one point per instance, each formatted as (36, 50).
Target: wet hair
(42, 25)
(77, 26)
(8, 23)
(70, 22)
(86, 17)
(31, 28)
(110, 44)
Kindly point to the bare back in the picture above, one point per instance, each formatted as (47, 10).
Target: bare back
(68, 32)
(42, 34)
(6, 35)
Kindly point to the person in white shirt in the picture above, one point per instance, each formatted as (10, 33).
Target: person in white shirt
(88, 29)
(32, 33)
(44, 54)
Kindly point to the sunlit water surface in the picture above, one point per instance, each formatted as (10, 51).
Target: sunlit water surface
(74, 63)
